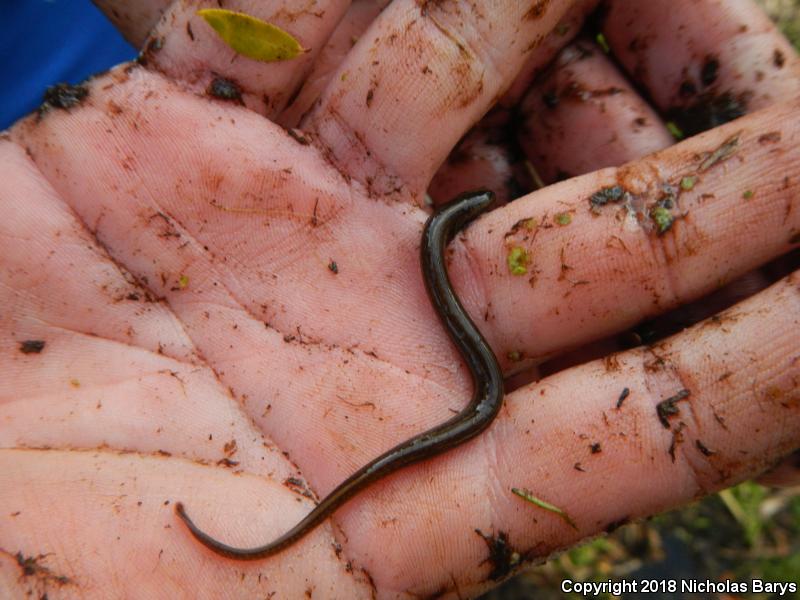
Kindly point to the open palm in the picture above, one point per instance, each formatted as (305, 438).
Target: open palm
(200, 306)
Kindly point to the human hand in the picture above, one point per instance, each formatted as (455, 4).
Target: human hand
(175, 253)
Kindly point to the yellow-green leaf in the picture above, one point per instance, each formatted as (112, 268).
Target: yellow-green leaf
(250, 36)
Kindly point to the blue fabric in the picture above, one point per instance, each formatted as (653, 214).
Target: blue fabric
(48, 41)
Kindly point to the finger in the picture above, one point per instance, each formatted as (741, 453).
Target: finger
(738, 415)
(355, 21)
(576, 441)
(689, 314)
(417, 64)
(486, 157)
(102, 525)
(786, 474)
(558, 269)
(583, 115)
(185, 48)
(133, 19)
(562, 34)
(479, 161)
(662, 326)
(703, 63)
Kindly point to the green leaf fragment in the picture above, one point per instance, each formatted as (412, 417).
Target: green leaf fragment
(603, 43)
(663, 218)
(183, 281)
(688, 182)
(748, 194)
(517, 261)
(529, 497)
(251, 37)
(676, 131)
(563, 218)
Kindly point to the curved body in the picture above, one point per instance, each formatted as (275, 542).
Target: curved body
(487, 397)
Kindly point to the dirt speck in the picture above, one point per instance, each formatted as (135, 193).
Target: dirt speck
(225, 89)
(31, 346)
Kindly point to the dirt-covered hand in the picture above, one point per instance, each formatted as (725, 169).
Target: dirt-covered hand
(211, 293)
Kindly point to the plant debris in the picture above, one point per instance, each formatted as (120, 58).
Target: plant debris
(624, 394)
(667, 408)
(662, 217)
(725, 151)
(526, 495)
(518, 260)
(607, 195)
(63, 96)
(250, 36)
(501, 554)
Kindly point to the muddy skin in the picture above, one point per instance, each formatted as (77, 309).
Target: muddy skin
(299, 486)
(677, 438)
(703, 449)
(300, 137)
(31, 568)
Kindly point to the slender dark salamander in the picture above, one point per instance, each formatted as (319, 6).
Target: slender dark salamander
(487, 397)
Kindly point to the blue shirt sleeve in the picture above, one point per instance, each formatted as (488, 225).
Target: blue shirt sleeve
(50, 41)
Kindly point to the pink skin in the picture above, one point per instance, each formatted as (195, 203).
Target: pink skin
(356, 20)
(564, 107)
(134, 19)
(667, 42)
(458, 59)
(660, 271)
(564, 32)
(581, 132)
(476, 163)
(184, 47)
(479, 161)
(173, 251)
